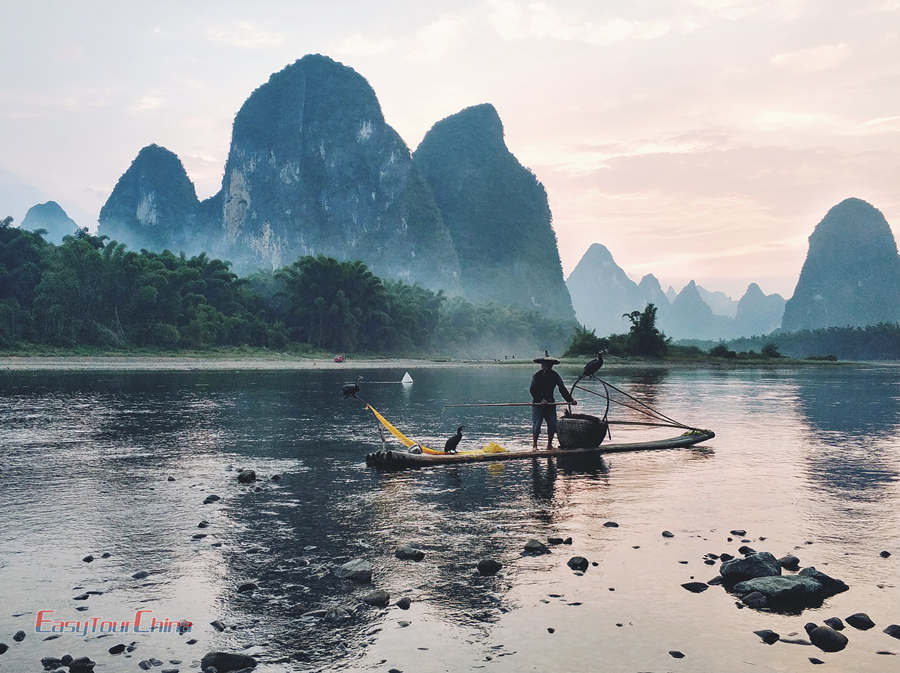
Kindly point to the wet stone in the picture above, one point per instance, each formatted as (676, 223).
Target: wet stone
(861, 621)
(247, 477)
(403, 603)
(378, 598)
(19, 636)
(893, 630)
(227, 662)
(88, 559)
(408, 552)
(117, 649)
(3, 647)
(536, 547)
(835, 623)
(814, 660)
(211, 499)
(489, 566)
(789, 562)
(695, 587)
(247, 588)
(768, 636)
(676, 654)
(668, 533)
(827, 639)
(611, 524)
(578, 563)
(554, 540)
(81, 665)
(885, 554)
(739, 532)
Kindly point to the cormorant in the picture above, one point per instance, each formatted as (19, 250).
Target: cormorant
(591, 367)
(350, 389)
(453, 442)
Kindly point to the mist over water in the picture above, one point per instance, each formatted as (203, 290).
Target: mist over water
(802, 455)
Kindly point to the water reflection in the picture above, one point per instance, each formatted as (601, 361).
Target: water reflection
(854, 417)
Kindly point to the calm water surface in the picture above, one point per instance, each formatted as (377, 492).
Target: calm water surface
(806, 458)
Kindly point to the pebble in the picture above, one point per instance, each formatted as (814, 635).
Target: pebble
(489, 566)
(536, 547)
(578, 563)
(378, 598)
(139, 575)
(835, 623)
(408, 552)
(676, 654)
(3, 647)
(611, 524)
(554, 540)
(19, 637)
(211, 499)
(885, 554)
(695, 587)
(893, 630)
(668, 533)
(403, 603)
(768, 636)
(550, 629)
(813, 660)
(117, 649)
(88, 558)
(739, 532)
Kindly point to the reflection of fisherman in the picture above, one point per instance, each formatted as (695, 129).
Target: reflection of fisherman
(543, 383)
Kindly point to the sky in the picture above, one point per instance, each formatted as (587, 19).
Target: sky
(696, 139)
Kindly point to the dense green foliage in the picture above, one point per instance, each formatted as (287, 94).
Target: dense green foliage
(874, 342)
(93, 292)
(643, 339)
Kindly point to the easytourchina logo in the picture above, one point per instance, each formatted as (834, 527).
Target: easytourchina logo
(143, 622)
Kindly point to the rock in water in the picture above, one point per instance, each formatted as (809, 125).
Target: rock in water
(496, 212)
(356, 570)
(247, 476)
(378, 598)
(314, 169)
(52, 218)
(154, 206)
(578, 563)
(19, 636)
(489, 566)
(81, 665)
(761, 564)
(851, 275)
(695, 587)
(861, 621)
(536, 547)
(783, 591)
(827, 639)
(830, 585)
(408, 552)
(227, 662)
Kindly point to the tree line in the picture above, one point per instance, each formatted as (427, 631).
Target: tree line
(90, 291)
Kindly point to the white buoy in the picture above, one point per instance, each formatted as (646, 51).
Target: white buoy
(406, 380)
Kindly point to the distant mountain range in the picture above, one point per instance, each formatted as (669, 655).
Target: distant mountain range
(314, 168)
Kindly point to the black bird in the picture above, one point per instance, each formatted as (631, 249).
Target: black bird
(453, 442)
(350, 389)
(591, 367)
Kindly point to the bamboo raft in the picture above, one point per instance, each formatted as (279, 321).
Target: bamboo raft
(401, 459)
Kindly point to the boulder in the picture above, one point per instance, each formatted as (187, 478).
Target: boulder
(754, 600)
(861, 621)
(226, 662)
(379, 598)
(761, 564)
(789, 562)
(830, 585)
(81, 665)
(827, 639)
(782, 591)
(489, 566)
(356, 570)
(408, 552)
(247, 477)
(578, 563)
(835, 623)
(536, 547)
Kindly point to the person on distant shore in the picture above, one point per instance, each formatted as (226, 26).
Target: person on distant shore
(544, 382)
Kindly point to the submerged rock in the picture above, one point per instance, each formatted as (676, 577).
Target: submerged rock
(782, 591)
(226, 662)
(357, 570)
(211, 499)
(408, 552)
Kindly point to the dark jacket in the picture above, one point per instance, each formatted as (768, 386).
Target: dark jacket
(544, 383)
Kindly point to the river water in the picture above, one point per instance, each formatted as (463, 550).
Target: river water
(806, 460)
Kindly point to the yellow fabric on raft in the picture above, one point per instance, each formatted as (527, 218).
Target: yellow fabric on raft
(493, 447)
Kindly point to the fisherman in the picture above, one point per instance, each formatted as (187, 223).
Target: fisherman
(543, 383)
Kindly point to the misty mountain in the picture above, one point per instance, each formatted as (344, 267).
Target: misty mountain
(671, 294)
(757, 312)
(52, 218)
(154, 206)
(314, 169)
(719, 302)
(652, 293)
(496, 212)
(851, 275)
(691, 317)
(602, 292)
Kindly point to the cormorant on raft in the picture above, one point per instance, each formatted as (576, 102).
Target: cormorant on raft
(350, 389)
(453, 442)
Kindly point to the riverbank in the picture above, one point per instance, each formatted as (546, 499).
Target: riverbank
(285, 361)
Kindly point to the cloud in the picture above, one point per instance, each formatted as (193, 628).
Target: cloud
(438, 37)
(880, 121)
(244, 35)
(813, 59)
(541, 21)
(147, 102)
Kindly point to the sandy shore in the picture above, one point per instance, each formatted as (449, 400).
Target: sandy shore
(249, 363)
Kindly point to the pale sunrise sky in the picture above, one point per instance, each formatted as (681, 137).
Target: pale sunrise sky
(699, 139)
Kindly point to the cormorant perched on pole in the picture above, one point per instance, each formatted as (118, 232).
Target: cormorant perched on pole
(591, 367)
(453, 442)
(350, 389)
